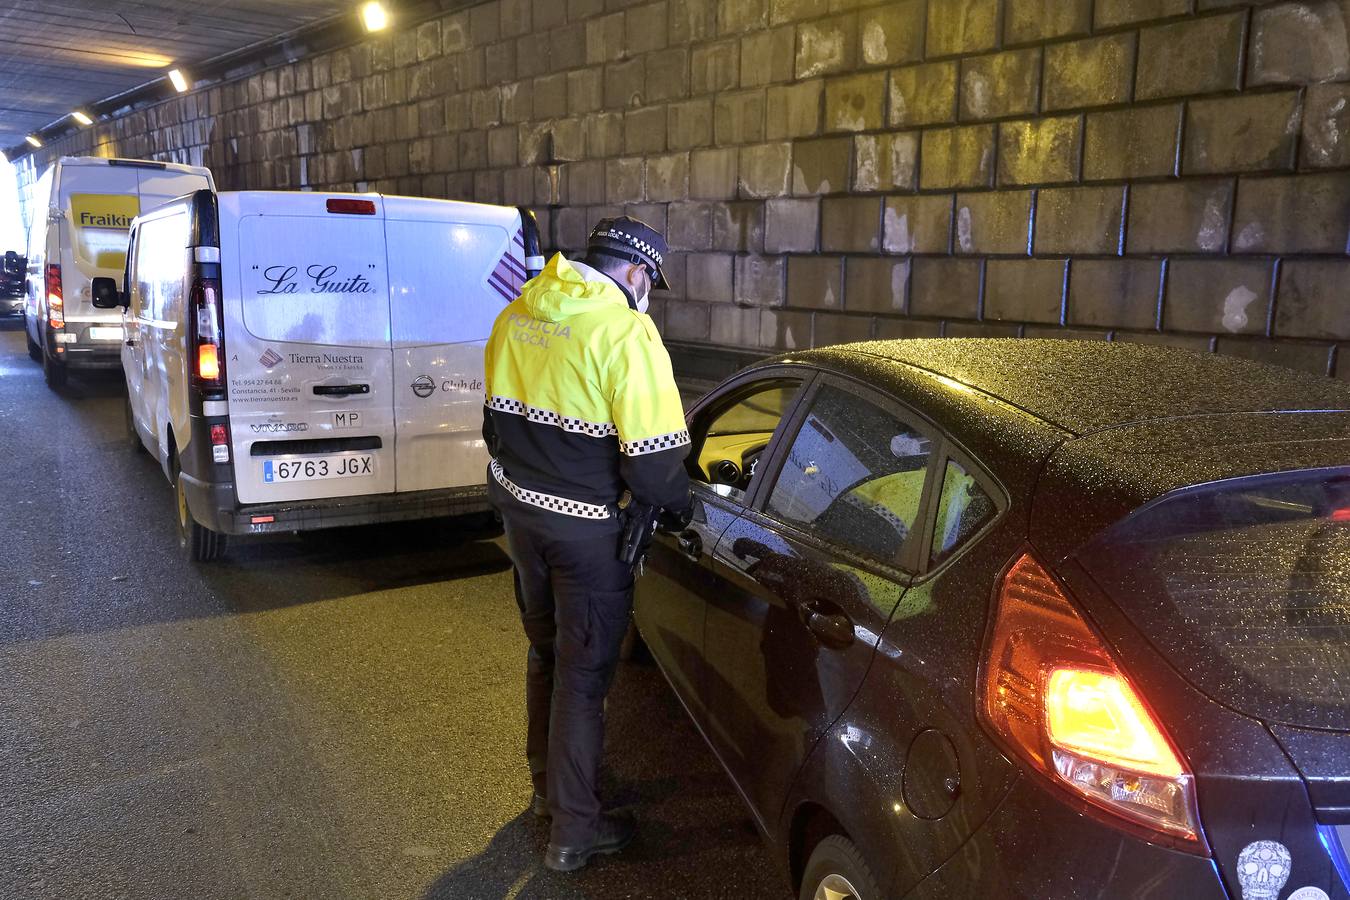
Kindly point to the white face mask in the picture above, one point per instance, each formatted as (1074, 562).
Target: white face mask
(645, 300)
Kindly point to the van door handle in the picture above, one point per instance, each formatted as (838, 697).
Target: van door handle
(340, 390)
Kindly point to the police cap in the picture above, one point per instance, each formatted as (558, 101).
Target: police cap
(632, 240)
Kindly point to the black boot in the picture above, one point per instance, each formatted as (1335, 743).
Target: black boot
(539, 806)
(612, 834)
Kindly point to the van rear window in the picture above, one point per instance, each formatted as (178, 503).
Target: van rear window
(1245, 586)
(315, 280)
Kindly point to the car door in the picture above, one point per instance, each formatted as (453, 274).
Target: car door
(807, 577)
(730, 431)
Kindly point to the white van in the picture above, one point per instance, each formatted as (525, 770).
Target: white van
(306, 360)
(81, 208)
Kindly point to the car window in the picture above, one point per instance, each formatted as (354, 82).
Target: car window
(737, 434)
(963, 509)
(855, 474)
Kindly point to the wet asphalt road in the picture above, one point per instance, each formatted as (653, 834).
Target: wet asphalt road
(337, 715)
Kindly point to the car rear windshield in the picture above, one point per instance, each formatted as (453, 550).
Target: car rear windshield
(1245, 586)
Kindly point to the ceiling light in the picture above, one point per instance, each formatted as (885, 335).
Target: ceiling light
(32, 139)
(374, 16)
(178, 80)
(82, 118)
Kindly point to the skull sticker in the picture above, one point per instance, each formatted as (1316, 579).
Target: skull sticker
(1262, 870)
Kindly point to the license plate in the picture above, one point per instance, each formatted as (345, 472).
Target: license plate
(275, 470)
(98, 333)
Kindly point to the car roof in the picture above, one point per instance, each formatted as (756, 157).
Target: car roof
(1085, 386)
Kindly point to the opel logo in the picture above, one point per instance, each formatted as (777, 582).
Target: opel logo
(423, 386)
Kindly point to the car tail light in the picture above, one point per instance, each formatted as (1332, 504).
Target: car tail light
(220, 443)
(1053, 695)
(207, 338)
(351, 207)
(56, 310)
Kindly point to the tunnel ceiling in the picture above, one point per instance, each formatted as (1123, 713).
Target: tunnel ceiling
(60, 55)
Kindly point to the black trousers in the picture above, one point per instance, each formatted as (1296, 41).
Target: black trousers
(575, 601)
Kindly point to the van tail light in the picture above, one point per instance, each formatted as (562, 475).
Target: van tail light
(220, 443)
(56, 306)
(1053, 695)
(207, 337)
(350, 206)
(208, 362)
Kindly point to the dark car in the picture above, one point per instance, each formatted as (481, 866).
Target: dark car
(11, 284)
(1019, 618)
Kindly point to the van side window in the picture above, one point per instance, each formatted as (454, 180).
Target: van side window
(161, 270)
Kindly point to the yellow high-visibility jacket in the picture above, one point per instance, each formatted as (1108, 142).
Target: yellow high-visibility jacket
(581, 400)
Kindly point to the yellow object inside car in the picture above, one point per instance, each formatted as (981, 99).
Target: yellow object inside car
(898, 493)
(717, 447)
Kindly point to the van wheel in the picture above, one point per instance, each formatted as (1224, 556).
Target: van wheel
(54, 372)
(34, 351)
(199, 543)
(836, 871)
(134, 441)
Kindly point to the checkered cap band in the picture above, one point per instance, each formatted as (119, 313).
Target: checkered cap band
(549, 417)
(631, 241)
(900, 525)
(550, 502)
(655, 444)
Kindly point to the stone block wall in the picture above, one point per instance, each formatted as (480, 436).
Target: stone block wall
(1169, 171)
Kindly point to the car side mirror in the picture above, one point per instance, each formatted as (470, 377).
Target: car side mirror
(106, 295)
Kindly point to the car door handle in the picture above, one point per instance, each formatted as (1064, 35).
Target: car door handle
(828, 623)
(690, 544)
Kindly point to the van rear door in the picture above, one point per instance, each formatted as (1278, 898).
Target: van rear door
(98, 201)
(307, 345)
(452, 267)
(160, 185)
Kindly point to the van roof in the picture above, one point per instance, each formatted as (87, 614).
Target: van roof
(132, 163)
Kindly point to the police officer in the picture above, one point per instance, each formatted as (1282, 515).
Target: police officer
(581, 408)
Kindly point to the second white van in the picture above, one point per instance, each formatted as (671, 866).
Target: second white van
(81, 208)
(305, 360)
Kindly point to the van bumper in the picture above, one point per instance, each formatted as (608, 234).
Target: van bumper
(215, 507)
(91, 357)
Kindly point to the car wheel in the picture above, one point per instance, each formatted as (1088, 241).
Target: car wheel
(199, 543)
(836, 871)
(54, 372)
(134, 441)
(34, 351)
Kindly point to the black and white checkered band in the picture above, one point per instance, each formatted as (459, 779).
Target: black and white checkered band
(548, 501)
(549, 417)
(632, 242)
(654, 444)
(900, 525)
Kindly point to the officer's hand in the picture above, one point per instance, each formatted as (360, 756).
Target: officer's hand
(671, 522)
